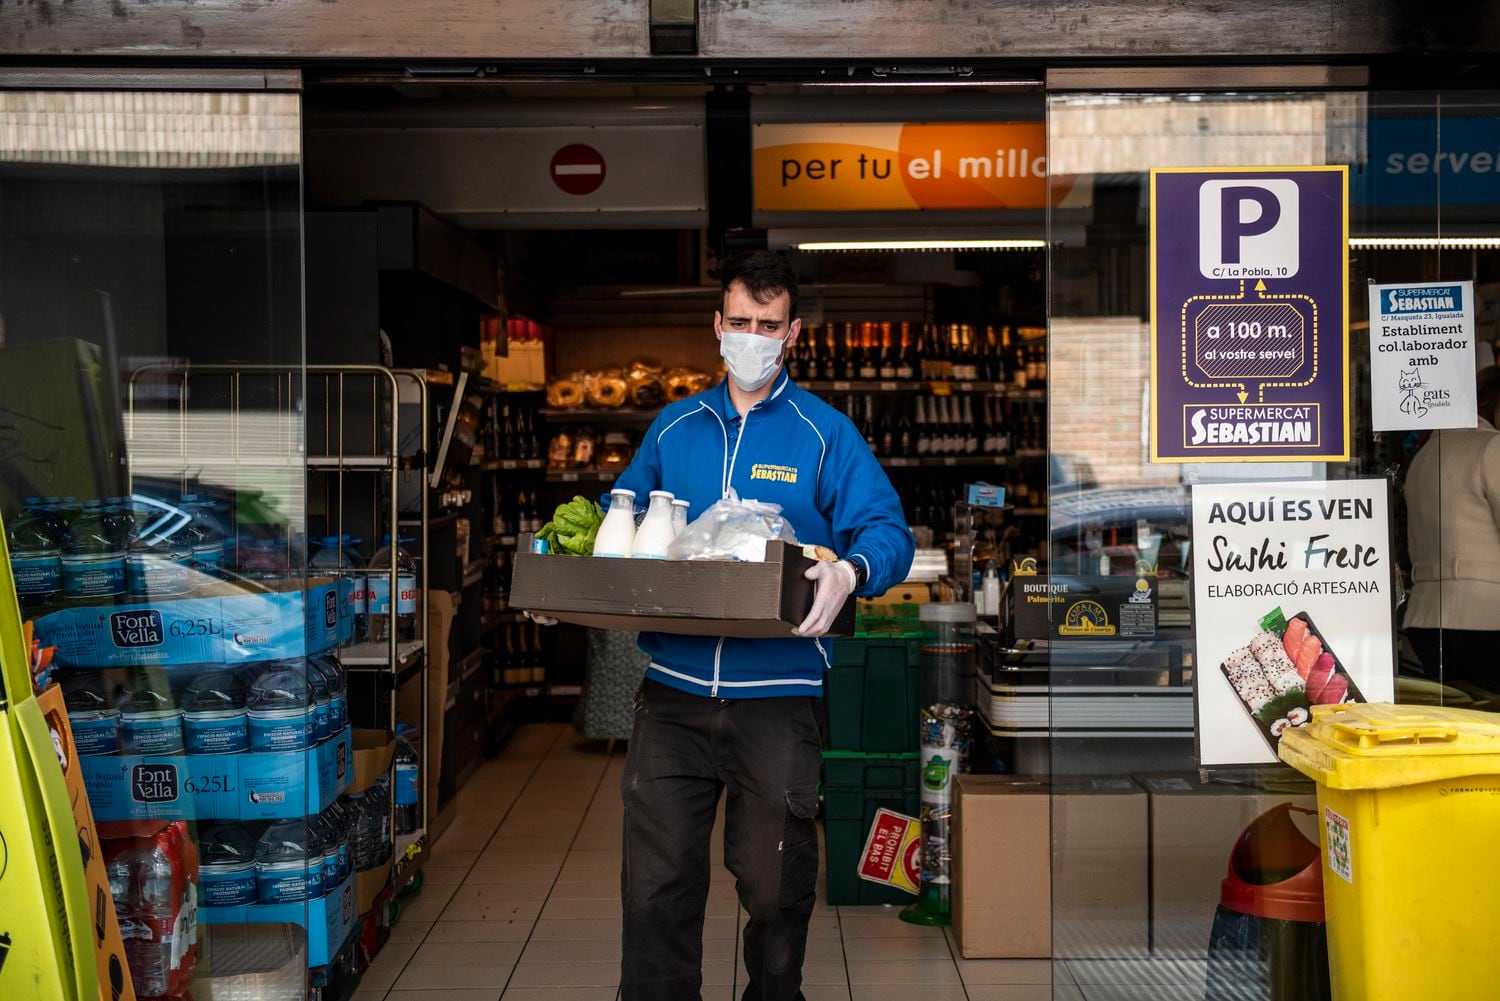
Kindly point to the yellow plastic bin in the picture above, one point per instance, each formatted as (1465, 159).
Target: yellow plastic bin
(1409, 804)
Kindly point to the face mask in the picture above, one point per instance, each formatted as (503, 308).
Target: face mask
(752, 359)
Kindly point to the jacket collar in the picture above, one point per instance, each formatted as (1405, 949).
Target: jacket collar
(783, 390)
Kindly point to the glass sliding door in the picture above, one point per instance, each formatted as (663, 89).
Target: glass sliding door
(152, 482)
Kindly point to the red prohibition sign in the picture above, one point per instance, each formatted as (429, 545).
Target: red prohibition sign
(578, 169)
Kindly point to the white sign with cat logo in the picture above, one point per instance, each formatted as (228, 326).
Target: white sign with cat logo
(1422, 356)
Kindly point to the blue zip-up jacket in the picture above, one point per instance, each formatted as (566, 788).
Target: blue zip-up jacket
(794, 450)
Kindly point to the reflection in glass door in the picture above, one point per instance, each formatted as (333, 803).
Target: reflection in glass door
(157, 522)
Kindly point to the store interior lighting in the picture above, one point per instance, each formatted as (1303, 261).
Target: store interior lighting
(1425, 242)
(816, 246)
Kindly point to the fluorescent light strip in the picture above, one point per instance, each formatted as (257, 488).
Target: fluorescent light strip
(829, 245)
(1426, 242)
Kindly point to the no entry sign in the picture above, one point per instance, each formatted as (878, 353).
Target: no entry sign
(578, 169)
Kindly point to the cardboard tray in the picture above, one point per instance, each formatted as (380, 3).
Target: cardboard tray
(692, 598)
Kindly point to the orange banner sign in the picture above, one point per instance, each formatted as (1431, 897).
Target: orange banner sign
(842, 168)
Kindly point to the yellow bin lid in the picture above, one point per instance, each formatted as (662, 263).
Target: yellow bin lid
(1379, 745)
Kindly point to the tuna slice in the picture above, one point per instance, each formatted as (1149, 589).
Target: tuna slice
(1296, 632)
(1308, 654)
(1317, 680)
(1335, 691)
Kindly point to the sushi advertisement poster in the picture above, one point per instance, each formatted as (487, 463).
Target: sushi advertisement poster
(1292, 607)
(1422, 356)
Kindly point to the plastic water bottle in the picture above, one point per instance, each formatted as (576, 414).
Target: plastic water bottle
(150, 723)
(281, 711)
(372, 825)
(36, 557)
(206, 536)
(317, 683)
(408, 783)
(141, 879)
(337, 557)
(94, 722)
(341, 819)
(160, 563)
(214, 719)
(57, 516)
(226, 869)
(379, 576)
(328, 838)
(284, 868)
(93, 558)
(119, 516)
(333, 681)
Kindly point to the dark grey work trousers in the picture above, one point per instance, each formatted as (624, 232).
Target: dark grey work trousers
(685, 750)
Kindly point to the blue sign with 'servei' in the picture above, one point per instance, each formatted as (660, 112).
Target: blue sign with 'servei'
(1454, 160)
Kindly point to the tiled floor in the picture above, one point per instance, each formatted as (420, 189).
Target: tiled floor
(522, 902)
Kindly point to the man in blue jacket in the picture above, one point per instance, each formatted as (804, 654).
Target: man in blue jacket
(745, 716)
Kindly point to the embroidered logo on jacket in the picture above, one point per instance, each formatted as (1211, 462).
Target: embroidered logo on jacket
(778, 474)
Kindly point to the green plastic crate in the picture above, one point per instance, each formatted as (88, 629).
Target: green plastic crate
(871, 696)
(854, 787)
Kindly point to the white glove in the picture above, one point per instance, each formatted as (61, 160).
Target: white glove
(540, 619)
(833, 583)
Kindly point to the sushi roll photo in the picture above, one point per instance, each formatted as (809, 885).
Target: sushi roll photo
(1248, 679)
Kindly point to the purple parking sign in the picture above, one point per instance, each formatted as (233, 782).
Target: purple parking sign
(1249, 314)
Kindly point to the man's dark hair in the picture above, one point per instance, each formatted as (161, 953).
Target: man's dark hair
(1487, 391)
(765, 275)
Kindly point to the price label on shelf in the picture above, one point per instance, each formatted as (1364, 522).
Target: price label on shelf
(888, 387)
(509, 464)
(840, 386)
(569, 477)
(941, 388)
(949, 461)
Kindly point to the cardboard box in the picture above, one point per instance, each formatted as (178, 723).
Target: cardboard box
(1194, 827)
(1100, 879)
(109, 949)
(368, 885)
(694, 597)
(1015, 884)
(440, 614)
(1002, 888)
(374, 750)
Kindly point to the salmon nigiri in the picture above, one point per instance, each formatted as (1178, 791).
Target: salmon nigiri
(1296, 632)
(1308, 654)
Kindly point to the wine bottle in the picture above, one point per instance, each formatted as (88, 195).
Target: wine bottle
(867, 425)
(924, 429)
(508, 449)
(888, 352)
(849, 364)
(906, 443)
(794, 359)
(971, 429)
(868, 362)
(906, 362)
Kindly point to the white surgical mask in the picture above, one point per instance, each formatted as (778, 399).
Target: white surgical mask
(752, 359)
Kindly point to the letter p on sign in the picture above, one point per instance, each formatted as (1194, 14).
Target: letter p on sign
(1248, 228)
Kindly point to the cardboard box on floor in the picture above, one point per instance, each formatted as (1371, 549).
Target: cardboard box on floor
(1009, 895)
(1194, 827)
(109, 948)
(691, 598)
(1002, 885)
(374, 750)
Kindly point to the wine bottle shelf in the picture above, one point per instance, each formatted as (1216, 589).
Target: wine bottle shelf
(935, 388)
(912, 462)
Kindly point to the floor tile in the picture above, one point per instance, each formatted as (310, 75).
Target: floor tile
(370, 995)
(607, 889)
(506, 873)
(408, 930)
(830, 992)
(577, 974)
(565, 908)
(904, 992)
(565, 994)
(497, 907)
(455, 976)
(465, 954)
(925, 947)
(388, 966)
(560, 930)
(480, 931)
(443, 857)
(1005, 971)
(891, 971)
(597, 950)
(1020, 992)
(470, 994)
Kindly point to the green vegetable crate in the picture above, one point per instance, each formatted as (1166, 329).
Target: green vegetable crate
(854, 787)
(871, 695)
